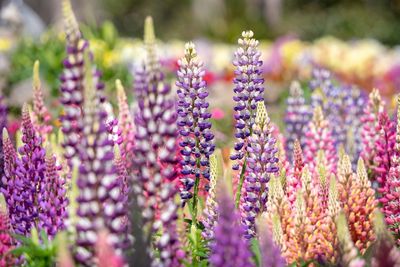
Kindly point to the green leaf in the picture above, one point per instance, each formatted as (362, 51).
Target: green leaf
(255, 248)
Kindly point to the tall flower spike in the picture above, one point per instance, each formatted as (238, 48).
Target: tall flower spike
(369, 134)
(349, 253)
(194, 124)
(30, 176)
(385, 251)
(270, 252)
(248, 91)
(229, 247)
(41, 115)
(261, 164)
(296, 118)
(99, 196)
(319, 137)
(6, 240)
(210, 211)
(52, 197)
(391, 191)
(294, 176)
(126, 125)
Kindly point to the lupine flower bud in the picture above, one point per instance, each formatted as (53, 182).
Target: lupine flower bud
(261, 164)
(193, 122)
(6, 240)
(369, 134)
(229, 247)
(248, 91)
(41, 117)
(319, 137)
(297, 117)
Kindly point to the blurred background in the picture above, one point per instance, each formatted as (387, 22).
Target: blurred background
(223, 19)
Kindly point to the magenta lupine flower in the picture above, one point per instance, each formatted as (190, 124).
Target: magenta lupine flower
(296, 118)
(72, 84)
(41, 117)
(156, 130)
(29, 177)
(52, 198)
(6, 241)
(229, 247)
(261, 164)
(8, 179)
(319, 137)
(369, 134)
(194, 123)
(270, 252)
(384, 150)
(248, 91)
(126, 126)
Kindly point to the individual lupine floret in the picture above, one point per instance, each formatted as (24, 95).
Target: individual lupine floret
(248, 91)
(296, 118)
(72, 84)
(261, 164)
(41, 117)
(319, 137)
(99, 201)
(369, 134)
(294, 176)
(126, 126)
(349, 253)
(358, 202)
(270, 251)
(210, 210)
(6, 239)
(391, 191)
(384, 150)
(29, 177)
(52, 197)
(194, 123)
(9, 188)
(385, 251)
(229, 247)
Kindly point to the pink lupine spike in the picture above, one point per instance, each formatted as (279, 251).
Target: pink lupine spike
(319, 137)
(6, 240)
(294, 177)
(40, 115)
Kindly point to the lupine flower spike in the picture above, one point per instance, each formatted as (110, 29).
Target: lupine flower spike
(261, 164)
(248, 91)
(229, 247)
(296, 118)
(294, 176)
(41, 117)
(194, 125)
(6, 239)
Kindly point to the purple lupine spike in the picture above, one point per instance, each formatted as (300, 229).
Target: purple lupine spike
(29, 176)
(41, 117)
(194, 124)
(52, 198)
(8, 179)
(261, 164)
(100, 195)
(126, 126)
(248, 91)
(229, 247)
(72, 84)
(114, 131)
(168, 244)
(270, 252)
(155, 121)
(296, 118)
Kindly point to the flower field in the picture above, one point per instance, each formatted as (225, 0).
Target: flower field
(200, 154)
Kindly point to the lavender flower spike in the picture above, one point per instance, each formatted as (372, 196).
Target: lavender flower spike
(194, 123)
(229, 247)
(261, 164)
(248, 91)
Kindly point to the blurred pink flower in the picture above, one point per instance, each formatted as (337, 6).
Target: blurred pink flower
(217, 113)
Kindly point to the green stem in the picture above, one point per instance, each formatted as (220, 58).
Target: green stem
(241, 180)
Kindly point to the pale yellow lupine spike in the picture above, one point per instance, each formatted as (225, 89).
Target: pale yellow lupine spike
(3, 204)
(261, 113)
(321, 163)
(18, 138)
(300, 205)
(318, 116)
(277, 232)
(36, 76)
(149, 35)
(305, 177)
(362, 173)
(333, 198)
(121, 95)
(70, 22)
(344, 165)
(376, 99)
